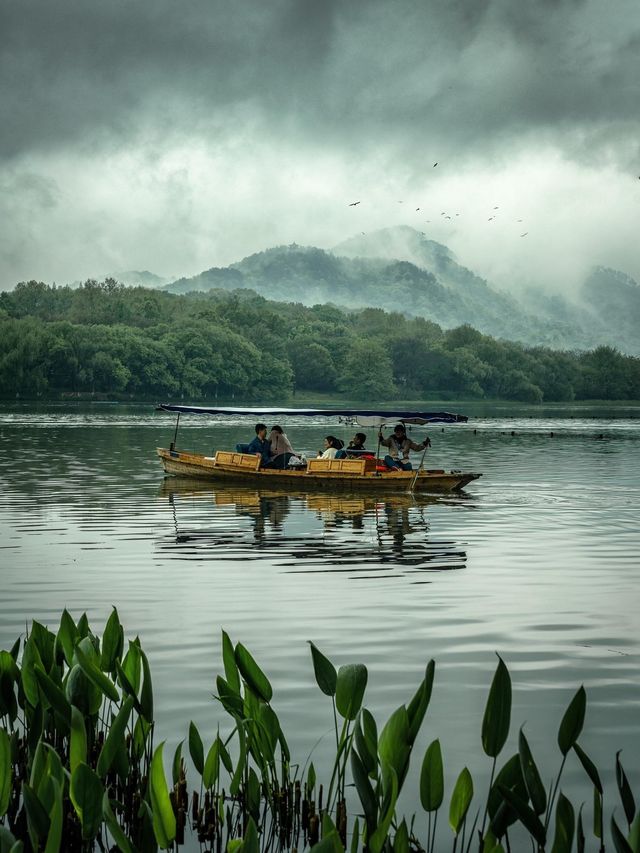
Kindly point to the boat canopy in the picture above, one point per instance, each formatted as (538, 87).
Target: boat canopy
(364, 417)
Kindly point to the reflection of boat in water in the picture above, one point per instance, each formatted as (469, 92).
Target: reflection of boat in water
(351, 474)
(307, 531)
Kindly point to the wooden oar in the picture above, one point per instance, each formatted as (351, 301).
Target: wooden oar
(415, 476)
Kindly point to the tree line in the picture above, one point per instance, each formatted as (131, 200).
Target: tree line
(105, 338)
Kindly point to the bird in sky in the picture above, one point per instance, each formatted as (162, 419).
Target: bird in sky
(417, 209)
(353, 203)
(525, 234)
(443, 213)
(490, 218)
(447, 217)
(519, 220)
(496, 208)
(435, 164)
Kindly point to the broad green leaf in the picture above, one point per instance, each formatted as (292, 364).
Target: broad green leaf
(366, 739)
(230, 700)
(9, 676)
(527, 817)
(365, 791)
(78, 745)
(37, 818)
(250, 842)
(535, 788)
(355, 836)
(597, 813)
(54, 694)
(81, 692)
(146, 696)
(460, 800)
(230, 665)
(115, 738)
(96, 676)
(590, 768)
(634, 834)
(176, 764)
(324, 670)
(83, 626)
(253, 794)
(112, 641)
(350, 686)
(132, 666)
(67, 636)
(497, 713)
(252, 674)
(580, 836)
(212, 765)
(417, 708)
(565, 826)
(114, 827)
(5, 772)
(7, 841)
(379, 837)
(394, 747)
(87, 795)
(401, 839)
(164, 821)
(56, 819)
(44, 640)
(30, 657)
(572, 722)
(626, 797)
(128, 688)
(432, 778)
(501, 814)
(234, 787)
(196, 749)
(619, 841)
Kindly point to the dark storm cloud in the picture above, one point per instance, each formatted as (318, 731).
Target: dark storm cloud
(459, 75)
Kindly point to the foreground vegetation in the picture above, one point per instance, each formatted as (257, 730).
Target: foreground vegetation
(79, 769)
(104, 338)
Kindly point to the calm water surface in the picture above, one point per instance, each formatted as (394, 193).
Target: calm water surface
(539, 561)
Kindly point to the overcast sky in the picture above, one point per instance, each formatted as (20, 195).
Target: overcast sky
(176, 136)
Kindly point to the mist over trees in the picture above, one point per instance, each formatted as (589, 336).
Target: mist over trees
(108, 339)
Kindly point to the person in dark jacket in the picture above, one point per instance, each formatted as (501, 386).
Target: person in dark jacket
(260, 446)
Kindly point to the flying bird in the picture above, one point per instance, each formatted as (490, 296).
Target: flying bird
(490, 218)
(525, 234)
(353, 203)
(447, 217)
(496, 208)
(435, 164)
(417, 209)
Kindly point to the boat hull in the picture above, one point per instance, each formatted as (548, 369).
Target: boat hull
(179, 463)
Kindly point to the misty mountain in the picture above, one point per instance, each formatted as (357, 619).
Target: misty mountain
(399, 269)
(141, 278)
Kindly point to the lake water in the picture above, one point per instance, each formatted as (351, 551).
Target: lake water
(539, 560)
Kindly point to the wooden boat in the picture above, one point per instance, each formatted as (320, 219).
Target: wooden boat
(352, 475)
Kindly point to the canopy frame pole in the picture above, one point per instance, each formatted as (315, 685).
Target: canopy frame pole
(378, 449)
(172, 446)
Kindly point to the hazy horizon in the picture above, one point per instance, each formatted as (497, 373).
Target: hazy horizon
(154, 138)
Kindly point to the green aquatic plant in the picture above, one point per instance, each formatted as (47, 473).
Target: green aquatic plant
(79, 770)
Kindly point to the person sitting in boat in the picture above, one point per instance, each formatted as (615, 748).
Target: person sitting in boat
(399, 445)
(281, 449)
(260, 445)
(331, 446)
(355, 449)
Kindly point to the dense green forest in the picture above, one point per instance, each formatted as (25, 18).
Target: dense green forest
(105, 338)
